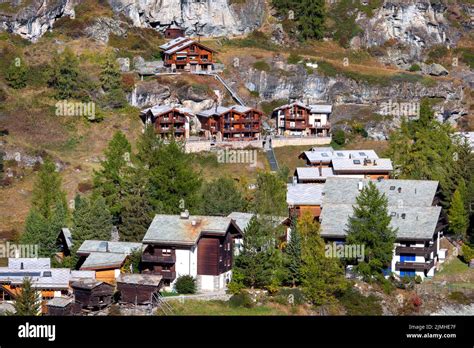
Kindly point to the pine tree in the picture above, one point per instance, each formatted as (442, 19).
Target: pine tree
(457, 215)
(92, 220)
(65, 75)
(311, 16)
(111, 82)
(109, 181)
(221, 197)
(254, 262)
(293, 252)
(16, 74)
(270, 196)
(174, 185)
(322, 277)
(47, 192)
(148, 149)
(27, 303)
(370, 226)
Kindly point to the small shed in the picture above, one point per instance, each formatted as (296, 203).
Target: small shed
(174, 31)
(91, 293)
(59, 306)
(138, 288)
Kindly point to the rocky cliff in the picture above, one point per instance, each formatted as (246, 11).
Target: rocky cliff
(207, 18)
(32, 18)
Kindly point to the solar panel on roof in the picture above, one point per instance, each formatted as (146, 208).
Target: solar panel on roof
(20, 274)
(356, 162)
(362, 153)
(324, 154)
(47, 274)
(340, 154)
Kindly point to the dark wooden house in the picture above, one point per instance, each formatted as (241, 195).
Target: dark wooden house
(64, 243)
(138, 288)
(231, 123)
(168, 120)
(173, 31)
(185, 54)
(90, 293)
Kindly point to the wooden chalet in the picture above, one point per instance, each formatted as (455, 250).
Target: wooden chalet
(138, 288)
(91, 293)
(304, 197)
(303, 120)
(231, 123)
(200, 246)
(168, 120)
(186, 54)
(59, 306)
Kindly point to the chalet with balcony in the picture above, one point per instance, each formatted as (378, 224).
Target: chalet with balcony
(414, 214)
(231, 123)
(185, 54)
(168, 120)
(105, 258)
(199, 246)
(325, 162)
(303, 119)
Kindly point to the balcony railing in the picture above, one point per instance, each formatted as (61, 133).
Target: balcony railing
(418, 251)
(168, 274)
(417, 266)
(159, 258)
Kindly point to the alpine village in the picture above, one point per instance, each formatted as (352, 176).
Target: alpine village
(275, 157)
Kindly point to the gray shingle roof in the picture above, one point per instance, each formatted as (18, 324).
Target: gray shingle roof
(173, 42)
(87, 284)
(158, 110)
(304, 194)
(29, 263)
(326, 155)
(91, 246)
(416, 193)
(103, 260)
(67, 236)
(59, 302)
(321, 108)
(312, 173)
(140, 279)
(242, 219)
(416, 224)
(172, 229)
(214, 111)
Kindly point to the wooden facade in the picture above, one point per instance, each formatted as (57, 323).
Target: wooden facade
(188, 55)
(171, 121)
(138, 288)
(233, 125)
(173, 31)
(215, 254)
(298, 210)
(298, 118)
(92, 294)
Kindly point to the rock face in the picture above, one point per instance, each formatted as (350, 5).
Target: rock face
(102, 27)
(208, 18)
(31, 19)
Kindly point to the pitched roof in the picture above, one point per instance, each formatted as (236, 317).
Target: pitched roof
(93, 246)
(214, 111)
(29, 263)
(99, 260)
(87, 284)
(320, 108)
(375, 165)
(173, 42)
(67, 236)
(312, 173)
(411, 224)
(178, 45)
(140, 279)
(173, 229)
(243, 219)
(326, 155)
(59, 302)
(413, 193)
(158, 110)
(304, 194)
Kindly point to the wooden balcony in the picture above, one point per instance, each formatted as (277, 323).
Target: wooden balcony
(418, 251)
(159, 258)
(168, 275)
(242, 130)
(417, 266)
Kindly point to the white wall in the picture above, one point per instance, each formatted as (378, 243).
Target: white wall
(186, 262)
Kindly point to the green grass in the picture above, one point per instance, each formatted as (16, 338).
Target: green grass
(454, 266)
(261, 65)
(195, 307)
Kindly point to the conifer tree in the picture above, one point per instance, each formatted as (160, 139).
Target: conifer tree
(27, 303)
(221, 197)
(65, 75)
(270, 196)
(91, 220)
(311, 16)
(457, 215)
(322, 277)
(111, 81)
(293, 252)
(370, 226)
(109, 180)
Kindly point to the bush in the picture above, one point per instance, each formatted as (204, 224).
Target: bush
(185, 285)
(292, 296)
(339, 137)
(357, 304)
(241, 299)
(415, 67)
(261, 65)
(459, 297)
(467, 253)
(235, 287)
(294, 58)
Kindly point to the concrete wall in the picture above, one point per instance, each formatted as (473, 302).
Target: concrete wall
(308, 141)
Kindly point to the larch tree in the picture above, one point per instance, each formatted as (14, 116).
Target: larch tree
(27, 302)
(457, 215)
(221, 197)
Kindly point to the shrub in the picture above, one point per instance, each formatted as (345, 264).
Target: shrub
(185, 285)
(415, 67)
(294, 58)
(241, 299)
(357, 304)
(292, 296)
(261, 65)
(459, 297)
(339, 137)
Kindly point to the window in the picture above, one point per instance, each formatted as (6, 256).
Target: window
(166, 252)
(340, 154)
(407, 257)
(356, 161)
(324, 154)
(362, 154)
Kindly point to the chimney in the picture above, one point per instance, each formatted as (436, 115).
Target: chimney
(320, 169)
(184, 215)
(360, 185)
(22, 266)
(295, 180)
(106, 247)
